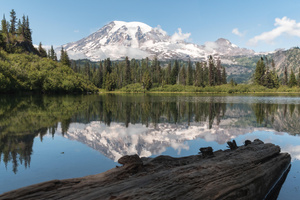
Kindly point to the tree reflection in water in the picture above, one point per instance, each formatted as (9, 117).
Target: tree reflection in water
(22, 118)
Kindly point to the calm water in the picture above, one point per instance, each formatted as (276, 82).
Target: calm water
(57, 137)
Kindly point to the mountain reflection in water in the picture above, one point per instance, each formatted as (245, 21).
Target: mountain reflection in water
(117, 125)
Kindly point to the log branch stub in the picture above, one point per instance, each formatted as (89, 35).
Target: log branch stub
(232, 145)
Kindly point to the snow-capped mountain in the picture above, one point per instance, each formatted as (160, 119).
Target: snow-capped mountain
(119, 39)
(116, 140)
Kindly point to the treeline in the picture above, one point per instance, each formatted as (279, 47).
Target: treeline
(111, 75)
(15, 34)
(266, 75)
(23, 68)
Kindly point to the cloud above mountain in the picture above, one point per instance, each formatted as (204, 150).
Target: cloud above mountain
(179, 36)
(283, 26)
(237, 32)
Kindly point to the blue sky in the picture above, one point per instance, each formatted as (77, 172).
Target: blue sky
(259, 25)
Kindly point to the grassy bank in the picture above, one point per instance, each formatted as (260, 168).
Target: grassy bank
(228, 88)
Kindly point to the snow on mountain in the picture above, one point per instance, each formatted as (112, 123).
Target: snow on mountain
(116, 140)
(119, 39)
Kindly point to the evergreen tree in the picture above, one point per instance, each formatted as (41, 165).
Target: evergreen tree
(285, 77)
(205, 74)
(189, 76)
(52, 54)
(27, 30)
(198, 78)
(224, 76)
(146, 81)
(23, 27)
(64, 58)
(292, 81)
(127, 71)
(13, 21)
(298, 79)
(259, 72)
(218, 74)
(182, 76)
(110, 81)
(87, 69)
(100, 76)
(211, 70)
(107, 66)
(174, 74)
(1, 40)
(42, 51)
(19, 30)
(4, 26)
(168, 73)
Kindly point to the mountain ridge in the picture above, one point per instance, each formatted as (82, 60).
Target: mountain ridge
(138, 40)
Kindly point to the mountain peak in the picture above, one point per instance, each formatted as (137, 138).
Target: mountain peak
(133, 25)
(138, 40)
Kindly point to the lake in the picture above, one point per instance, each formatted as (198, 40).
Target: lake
(58, 137)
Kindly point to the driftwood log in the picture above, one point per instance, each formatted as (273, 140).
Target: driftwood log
(249, 172)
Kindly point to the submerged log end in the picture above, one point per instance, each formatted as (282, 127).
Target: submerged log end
(206, 152)
(130, 160)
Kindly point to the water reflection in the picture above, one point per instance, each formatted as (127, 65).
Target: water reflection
(117, 125)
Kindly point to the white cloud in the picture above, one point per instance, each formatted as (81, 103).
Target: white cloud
(293, 150)
(283, 26)
(210, 46)
(180, 36)
(46, 47)
(76, 31)
(237, 32)
(159, 29)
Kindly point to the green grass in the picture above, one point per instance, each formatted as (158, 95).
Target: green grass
(240, 88)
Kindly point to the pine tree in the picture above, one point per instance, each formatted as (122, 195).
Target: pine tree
(100, 76)
(52, 54)
(218, 74)
(127, 71)
(292, 81)
(205, 74)
(168, 73)
(174, 74)
(298, 80)
(285, 77)
(224, 76)
(64, 58)
(13, 21)
(197, 80)
(146, 81)
(110, 81)
(1, 40)
(19, 30)
(107, 66)
(42, 51)
(259, 72)
(27, 30)
(189, 76)
(87, 69)
(182, 76)
(4, 26)
(23, 27)
(211, 70)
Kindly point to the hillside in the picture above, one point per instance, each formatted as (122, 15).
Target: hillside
(31, 73)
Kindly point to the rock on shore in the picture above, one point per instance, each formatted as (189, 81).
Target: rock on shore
(248, 172)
